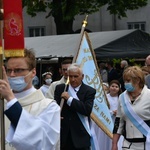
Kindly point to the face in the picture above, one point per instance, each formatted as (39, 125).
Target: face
(114, 89)
(64, 68)
(135, 84)
(48, 79)
(75, 78)
(18, 67)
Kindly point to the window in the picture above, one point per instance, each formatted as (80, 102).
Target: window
(137, 25)
(36, 31)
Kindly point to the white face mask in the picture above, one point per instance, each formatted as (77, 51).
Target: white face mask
(48, 81)
(18, 84)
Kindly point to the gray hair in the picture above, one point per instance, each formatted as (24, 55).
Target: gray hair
(74, 67)
(125, 63)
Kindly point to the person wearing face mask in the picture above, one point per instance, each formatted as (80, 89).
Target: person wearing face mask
(32, 121)
(47, 80)
(133, 115)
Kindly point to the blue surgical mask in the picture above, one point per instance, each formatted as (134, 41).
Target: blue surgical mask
(18, 84)
(129, 87)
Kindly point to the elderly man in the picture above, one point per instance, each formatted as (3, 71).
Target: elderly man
(124, 64)
(76, 110)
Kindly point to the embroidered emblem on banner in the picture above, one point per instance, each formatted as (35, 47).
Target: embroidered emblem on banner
(13, 24)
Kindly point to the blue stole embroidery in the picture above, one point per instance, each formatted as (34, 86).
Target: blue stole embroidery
(82, 118)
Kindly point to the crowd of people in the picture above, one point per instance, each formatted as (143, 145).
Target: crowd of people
(56, 116)
(132, 113)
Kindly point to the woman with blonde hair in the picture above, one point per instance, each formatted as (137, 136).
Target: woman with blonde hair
(133, 113)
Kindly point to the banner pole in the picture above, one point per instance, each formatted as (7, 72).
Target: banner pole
(2, 110)
(62, 99)
(84, 24)
(2, 124)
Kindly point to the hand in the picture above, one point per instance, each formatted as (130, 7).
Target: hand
(65, 95)
(5, 89)
(115, 112)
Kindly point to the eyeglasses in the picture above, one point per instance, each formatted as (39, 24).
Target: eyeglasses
(16, 71)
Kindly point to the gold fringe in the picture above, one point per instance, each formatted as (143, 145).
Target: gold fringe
(96, 120)
(1, 50)
(14, 53)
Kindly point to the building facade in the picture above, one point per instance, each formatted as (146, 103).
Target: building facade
(100, 21)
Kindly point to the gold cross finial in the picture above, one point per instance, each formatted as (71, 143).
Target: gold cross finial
(84, 23)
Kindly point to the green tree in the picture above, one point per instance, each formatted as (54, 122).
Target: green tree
(64, 11)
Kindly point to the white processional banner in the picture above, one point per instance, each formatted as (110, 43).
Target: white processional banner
(86, 59)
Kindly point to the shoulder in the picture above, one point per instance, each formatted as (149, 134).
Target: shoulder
(42, 87)
(62, 85)
(147, 77)
(104, 71)
(122, 94)
(55, 83)
(51, 103)
(87, 87)
(108, 95)
(146, 90)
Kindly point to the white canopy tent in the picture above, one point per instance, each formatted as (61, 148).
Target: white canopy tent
(67, 45)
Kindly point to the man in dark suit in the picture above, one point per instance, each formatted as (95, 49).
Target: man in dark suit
(78, 103)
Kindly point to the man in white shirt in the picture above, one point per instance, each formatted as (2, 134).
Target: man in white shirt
(34, 120)
(64, 65)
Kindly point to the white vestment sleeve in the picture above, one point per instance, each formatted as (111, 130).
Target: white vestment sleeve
(36, 132)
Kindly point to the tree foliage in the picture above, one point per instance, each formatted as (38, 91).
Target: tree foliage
(64, 11)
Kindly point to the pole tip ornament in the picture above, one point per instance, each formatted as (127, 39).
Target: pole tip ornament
(67, 82)
(84, 23)
(1, 14)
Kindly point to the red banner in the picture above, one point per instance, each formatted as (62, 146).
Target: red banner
(13, 28)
